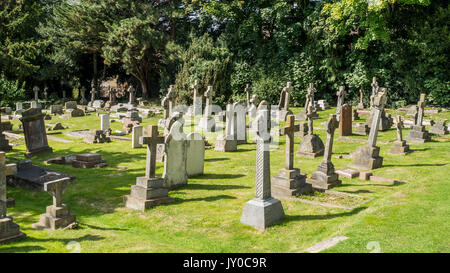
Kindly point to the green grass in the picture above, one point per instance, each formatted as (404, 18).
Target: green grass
(205, 217)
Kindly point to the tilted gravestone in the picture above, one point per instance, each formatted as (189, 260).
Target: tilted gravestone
(34, 131)
(345, 121)
(149, 190)
(8, 229)
(57, 215)
(311, 145)
(325, 176)
(289, 182)
(264, 210)
(368, 156)
(400, 146)
(56, 110)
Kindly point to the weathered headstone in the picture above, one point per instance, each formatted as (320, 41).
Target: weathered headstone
(323, 105)
(368, 156)
(34, 131)
(195, 154)
(325, 176)
(88, 161)
(104, 122)
(264, 210)
(56, 110)
(96, 136)
(149, 190)
(400, 146)
(132, 91)
(311, 145)
(83, 100)
(138, 132)
(247, 95)
(241, 123)
(75, 113)
(345, 121)
(207, 122)
(8, 229)
(19, 108)
(57, 215)
(228, 142)
(439, 127)
(340, 102)
(289, 182)
(308, 102)
(284, 102)
(418, 132)
(70, 105)
(93, 93)
(98, 104)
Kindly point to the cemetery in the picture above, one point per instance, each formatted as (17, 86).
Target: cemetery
(113, 165)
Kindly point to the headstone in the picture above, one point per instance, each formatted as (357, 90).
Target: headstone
(83, 100)
(149, 190)
(132, 91)
(241, 123)
(228, 142)
(264, 210)
(175, 157)
(8, 229)
(361, 103)
(4, 143)
(57, 215)
(340, 102)
(75, 113)
(355, 115)
(104, 122)
(19, 108)
(345, 121)
(418, 132)
(70, 105)
(197, 100)
(207, 122)
(36, 93)
(284, 102)
(98, 104)
(367, 156)
(138, 132)
(93, 93)
(325, 176)
(88, 161)
(348, 173)
(195, 161)
(323, 104)
(386, 121)
(311, 145)
(361, 129)
(289, 182)
(439, 128)
(400, 146)
(133, 115)
(96, 136)
(56, 110)
(34, 131)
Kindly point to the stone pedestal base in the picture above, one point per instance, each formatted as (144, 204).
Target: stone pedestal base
(39, 151)
(399, 148)
(302, 116)
(362, 130)
(311, 146)
(289, 183)
(324, 178)
(262, 213)
(225, 145)
(208, 124)
(418, 134)
(55, 218)
(367, 158)
(147, 193)
(9, 230)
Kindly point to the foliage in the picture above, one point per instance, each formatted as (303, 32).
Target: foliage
(10, 91)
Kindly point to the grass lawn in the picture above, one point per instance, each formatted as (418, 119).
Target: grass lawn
(411, 217)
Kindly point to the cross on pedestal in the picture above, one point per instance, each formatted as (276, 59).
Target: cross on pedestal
(263, 190)
(310, 97)
(195, 87)
(330, 126)
(399, 126)
(56, 189)
(421, 106)
(209, 94)
(151, 141)
(378, 106)
(289, 131)
(288, 89)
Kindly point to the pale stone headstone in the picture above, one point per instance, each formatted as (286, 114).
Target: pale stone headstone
(57, 215)
(137, 133)
(325, 176)
(56, 110)
(309, 102)
(439, 128)
(241, 123)
(197, 99)
(311, 145)
(228, 142)
(149, 190)
(4, 143)
(132, 91)
(104, 122)
(247, 94)
(195, 154)
(34, 131)
(289, 182)
(207, 122)
(264, 210)
(361, 103)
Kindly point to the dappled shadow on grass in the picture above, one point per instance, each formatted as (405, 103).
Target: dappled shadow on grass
(101, 228)
(21, 249)
(290, 218)
(216, 159)
(206, 199)
(91, 238)
(358, 191)
(419, 150)
(213, 187)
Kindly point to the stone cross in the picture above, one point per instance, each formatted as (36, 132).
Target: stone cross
(151, 141)
(340, 94)
(56, 189)
(289, 131)
(421, 107)
(247, 93)
(330, 126)
(399, 126)
(378, 106)
(36, 93)
(93, 92)
(288, 89)
(263, 190)
(171, 96)
(375, 89)
(310, 97)
(197, 98)
(132, 92)
(209, 94)
(166, 106)
(309, 116)
(5, 170)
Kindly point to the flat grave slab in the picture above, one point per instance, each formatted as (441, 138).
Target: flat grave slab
(348, 173)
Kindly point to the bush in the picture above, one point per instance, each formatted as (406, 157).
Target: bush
(10, 92)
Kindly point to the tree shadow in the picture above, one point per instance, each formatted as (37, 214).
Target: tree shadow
(419, 150)
(21, 249)
(214, 187)
(101, 228)
(207, 199)
(221, 176)
(417, 165)
(92, 238)
(358, 191)
(216, 159)
(291, 218)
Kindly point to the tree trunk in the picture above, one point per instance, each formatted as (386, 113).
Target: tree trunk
(144, 86)
(95, 69)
